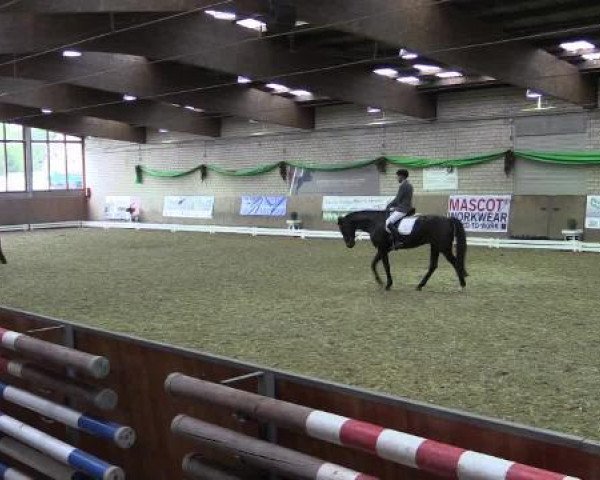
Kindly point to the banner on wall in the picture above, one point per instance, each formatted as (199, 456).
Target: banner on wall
(436, 179)
(188, 206)
(481, 213)
(592, 212)
(115, 207)
(264, 206)
(335, 206)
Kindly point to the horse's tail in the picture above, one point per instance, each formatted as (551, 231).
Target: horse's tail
(461, 244)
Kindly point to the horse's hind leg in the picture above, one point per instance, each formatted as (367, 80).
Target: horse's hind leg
(2, 257)
(433, 264)
(374, 263)
(386, 265)
(461, 275)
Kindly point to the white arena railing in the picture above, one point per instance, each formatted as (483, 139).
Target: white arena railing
(560, 245)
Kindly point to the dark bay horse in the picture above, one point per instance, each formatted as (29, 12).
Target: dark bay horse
(439, 232)
(2, 257)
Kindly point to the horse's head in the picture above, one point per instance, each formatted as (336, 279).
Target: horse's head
(348, 231)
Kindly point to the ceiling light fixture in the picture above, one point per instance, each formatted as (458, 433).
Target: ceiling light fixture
(428, 69)
(163, 130)
(193, 109)
(301, 93)
(241, 79)
(373, 110)
(591, 56)
(71, 53)
(410, 80)
(386, 72)
(252, 24)
(406, 55)
(300, 23)
(577, 45)
(221, 15)
(46, 111)
(129, 98)
(449, 74)
(532, 94)
(278, 88)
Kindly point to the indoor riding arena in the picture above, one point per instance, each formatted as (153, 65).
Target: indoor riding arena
(299, 239)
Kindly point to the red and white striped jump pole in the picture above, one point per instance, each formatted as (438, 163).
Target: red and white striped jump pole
(263, 454)
(409, 450)
(93, 365)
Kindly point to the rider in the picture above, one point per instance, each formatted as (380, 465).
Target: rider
(400, 205)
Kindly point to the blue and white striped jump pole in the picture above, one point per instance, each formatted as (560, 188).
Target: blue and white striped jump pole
(122, 436)
(8, 473)
(38, 461)
(59, 450)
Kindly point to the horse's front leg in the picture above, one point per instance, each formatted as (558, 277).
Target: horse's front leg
(386, 264)
(374, 263)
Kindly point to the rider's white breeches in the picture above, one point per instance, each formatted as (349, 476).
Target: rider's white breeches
(393, 218)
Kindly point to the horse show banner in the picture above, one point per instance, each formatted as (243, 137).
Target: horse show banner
(189, 206)
(335, 206)
(592, 212)
(115, 207)
(264, 206)
(481, 213)
(436, 179)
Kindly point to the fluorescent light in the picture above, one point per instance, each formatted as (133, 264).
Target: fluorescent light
(386, 72)
(300, 23)
(373, 110)
(449, 74)
(252, 24)
(577, 45)
(410, 80)
(46, 111)
(71, 53)
(163, 130)
(301, 93)
(193, 109)
(532, 94)
(427, 69)
(591, 56)
(175, 105)
(221, 15)
(406, 55)
(242, 79)
(129, 98)
(278, 87)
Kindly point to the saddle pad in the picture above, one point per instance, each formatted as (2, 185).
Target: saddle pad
(406, 225)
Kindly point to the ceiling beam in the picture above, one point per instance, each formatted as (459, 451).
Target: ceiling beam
(441, 32)
(98, 6)
(72, 125)
(138, 76)
(208, 43)
(105, 105)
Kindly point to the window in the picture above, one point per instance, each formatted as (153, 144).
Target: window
(12, 158)
(57, 161)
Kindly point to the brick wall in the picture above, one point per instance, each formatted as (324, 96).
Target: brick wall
(468, 123)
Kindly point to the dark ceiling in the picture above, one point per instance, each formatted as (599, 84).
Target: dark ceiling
(182, 64)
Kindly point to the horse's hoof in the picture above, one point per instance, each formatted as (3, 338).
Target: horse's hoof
(387, 288)
(419, 288)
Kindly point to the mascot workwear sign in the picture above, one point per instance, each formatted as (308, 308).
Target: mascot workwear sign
(481, 213)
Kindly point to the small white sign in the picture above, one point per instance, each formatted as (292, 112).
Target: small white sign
(436, 179)
(115, 207)
(335, 206)
(592, 212)
(189, 206)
